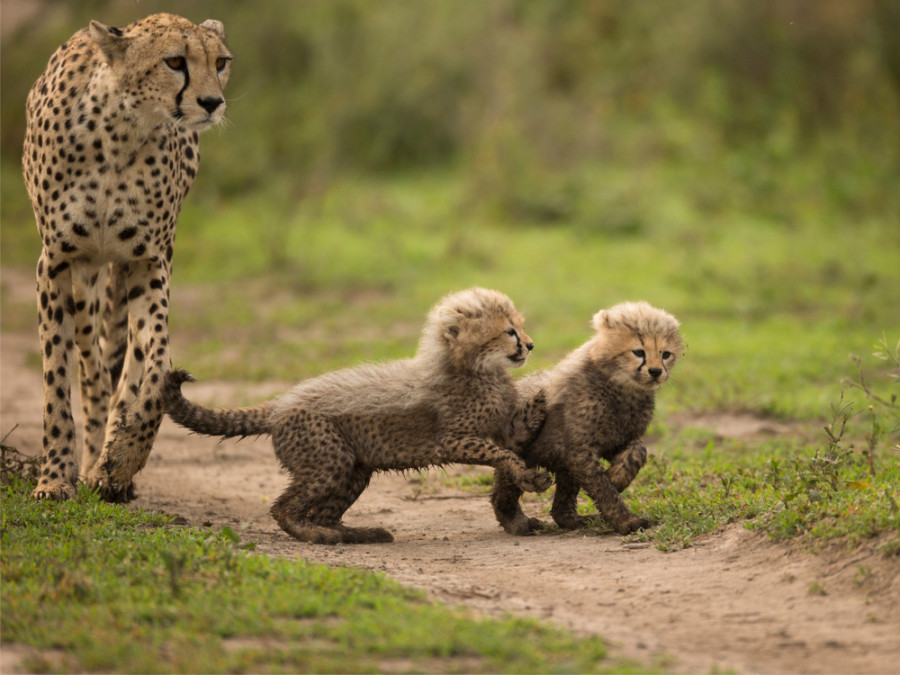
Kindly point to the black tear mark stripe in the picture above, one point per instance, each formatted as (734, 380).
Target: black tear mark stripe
(180, 94)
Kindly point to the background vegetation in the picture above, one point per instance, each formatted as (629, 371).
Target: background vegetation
(734, 162)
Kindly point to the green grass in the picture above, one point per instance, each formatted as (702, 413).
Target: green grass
(124, 591)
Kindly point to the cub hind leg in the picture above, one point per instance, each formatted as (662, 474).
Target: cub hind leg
(326, 482)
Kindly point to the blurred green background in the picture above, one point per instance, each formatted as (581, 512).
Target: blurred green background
(735, 162)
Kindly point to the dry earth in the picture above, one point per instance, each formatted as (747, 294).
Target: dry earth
(734, 601)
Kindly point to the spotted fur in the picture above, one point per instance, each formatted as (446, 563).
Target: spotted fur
(442, 406)
(111, 149)
(595, 404)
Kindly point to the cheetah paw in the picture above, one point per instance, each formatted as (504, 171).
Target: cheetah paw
(523, 526)
(111, 492)
(57, 491)
(534, 480)
(631, 524)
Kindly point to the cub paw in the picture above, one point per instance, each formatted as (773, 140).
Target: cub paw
(523, 526)
(534, 480)
(572, 521)
(57, 491)
(631, 524)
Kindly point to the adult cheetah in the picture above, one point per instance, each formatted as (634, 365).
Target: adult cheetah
(111, 149)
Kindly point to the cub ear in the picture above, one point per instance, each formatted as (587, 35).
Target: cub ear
(111, 40)
(601, 321)
(215, 26)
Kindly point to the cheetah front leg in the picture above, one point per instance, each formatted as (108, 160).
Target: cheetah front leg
(590, 476)
(505, 495)
(464, 449)
(137, 407)
(626, 465)
(56, 327)
(94, 379)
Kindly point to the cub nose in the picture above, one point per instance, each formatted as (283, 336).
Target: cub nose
(210, 103)
(654, 372)
(529, 346)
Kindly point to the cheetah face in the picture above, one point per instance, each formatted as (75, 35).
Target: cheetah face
(168, 70)
(636, 345)
(648, 363)
(478, 329)
(510, 349)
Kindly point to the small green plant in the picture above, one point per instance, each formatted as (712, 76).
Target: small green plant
(884, 411)
(815, 588)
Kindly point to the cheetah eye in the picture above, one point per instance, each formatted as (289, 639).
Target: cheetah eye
(639, 353)
(221, 62)
(666, 356)
(511, 332)
(176, 63)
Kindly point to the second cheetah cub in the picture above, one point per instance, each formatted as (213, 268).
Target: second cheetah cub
(595, 404)
(442, 406)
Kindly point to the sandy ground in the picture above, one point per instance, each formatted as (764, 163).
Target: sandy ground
(734, 601)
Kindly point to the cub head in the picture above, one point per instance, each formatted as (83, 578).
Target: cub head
(636, 344)
(167, 69)
(477, 329)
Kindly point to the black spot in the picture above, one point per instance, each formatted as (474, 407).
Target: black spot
(127, 233)
(80, 230)
(139, 250)
(138, 354)
(135, 292)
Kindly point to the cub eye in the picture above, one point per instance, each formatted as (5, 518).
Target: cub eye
(176, 63)
(666, 356)
(220, 63)
(511, 332)
(639, 353)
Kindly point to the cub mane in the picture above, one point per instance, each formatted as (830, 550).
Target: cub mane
(451, 341)
(633, 319)
(460, 325)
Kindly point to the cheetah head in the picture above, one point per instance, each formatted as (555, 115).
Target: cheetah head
(168, 70)
(477, 329)
(636, 344)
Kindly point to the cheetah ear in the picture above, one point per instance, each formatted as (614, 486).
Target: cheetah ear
(215, 26)
(601, 321)
(111, 40)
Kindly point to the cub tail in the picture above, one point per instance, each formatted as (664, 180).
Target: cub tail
(226, 422)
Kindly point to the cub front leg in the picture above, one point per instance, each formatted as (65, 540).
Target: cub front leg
(464, 449)
(607, 500)
(626, 465)
(137, 407)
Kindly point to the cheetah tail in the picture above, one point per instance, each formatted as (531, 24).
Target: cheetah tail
(226, 422)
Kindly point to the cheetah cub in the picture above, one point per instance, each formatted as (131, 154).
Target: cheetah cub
(596, 403)
(441, 406)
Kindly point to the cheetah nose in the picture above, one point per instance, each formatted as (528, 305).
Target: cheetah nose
(529, 346)
(210, 103)
(654, 372)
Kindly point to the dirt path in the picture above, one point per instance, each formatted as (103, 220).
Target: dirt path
(735, 601)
